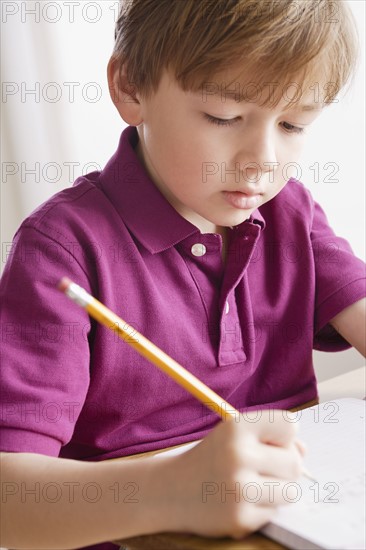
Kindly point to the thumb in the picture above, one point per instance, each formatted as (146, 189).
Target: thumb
(300, 445)
(279, 429)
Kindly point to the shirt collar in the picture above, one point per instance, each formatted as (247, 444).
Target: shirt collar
(256, 218)
(146, 212)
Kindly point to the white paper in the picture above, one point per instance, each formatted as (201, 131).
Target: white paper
(330, 513)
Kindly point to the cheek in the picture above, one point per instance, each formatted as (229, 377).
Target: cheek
(288, 158)
(177, 165)
(185, 158)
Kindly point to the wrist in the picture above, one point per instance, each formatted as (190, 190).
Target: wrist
(161, 494)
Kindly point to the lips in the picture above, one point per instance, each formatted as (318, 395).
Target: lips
(242, 200)
(247, 192)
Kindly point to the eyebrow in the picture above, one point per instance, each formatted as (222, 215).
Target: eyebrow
(232, 95)
(311, 107)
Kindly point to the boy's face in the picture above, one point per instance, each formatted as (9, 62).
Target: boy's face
(217, 174)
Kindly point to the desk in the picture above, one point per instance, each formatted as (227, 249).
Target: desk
(170, 541)
(351, 384)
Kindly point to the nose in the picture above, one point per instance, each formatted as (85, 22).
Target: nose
(257, 153)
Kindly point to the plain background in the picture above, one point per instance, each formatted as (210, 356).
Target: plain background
(58, 122)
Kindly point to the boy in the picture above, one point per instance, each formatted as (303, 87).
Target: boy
(189, 234)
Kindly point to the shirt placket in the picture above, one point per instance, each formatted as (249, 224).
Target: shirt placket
(217, 284)
(202, 255)
(232, 349)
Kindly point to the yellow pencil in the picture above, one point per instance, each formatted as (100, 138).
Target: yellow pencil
(147, 349)
(152, 353)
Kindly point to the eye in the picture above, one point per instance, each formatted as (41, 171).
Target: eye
(291, 129)
(221, 121)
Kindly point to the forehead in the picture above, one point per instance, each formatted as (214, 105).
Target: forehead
(291, 96)
(306, 91)
(300, 94)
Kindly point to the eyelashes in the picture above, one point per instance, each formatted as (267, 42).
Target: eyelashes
(289, 128)
(221, 121)
(292, 129)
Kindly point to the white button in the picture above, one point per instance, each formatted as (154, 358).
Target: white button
(227, 307)
(198, 249)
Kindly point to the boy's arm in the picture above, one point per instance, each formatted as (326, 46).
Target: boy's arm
(351, 324)
(50, 502)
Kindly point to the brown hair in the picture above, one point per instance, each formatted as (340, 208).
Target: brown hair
(272, 40)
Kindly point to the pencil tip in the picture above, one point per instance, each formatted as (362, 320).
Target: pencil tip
(64, 284)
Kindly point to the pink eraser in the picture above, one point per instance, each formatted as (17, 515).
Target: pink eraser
(64, 284)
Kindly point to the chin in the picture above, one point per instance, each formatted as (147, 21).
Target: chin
(228, 219)
(236, 219)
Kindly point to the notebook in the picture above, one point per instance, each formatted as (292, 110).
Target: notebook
(330, 512)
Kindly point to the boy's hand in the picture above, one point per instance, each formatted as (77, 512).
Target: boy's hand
(231, 483)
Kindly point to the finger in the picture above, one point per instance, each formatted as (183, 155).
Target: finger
(268, 491)
(281, 462)
(279, 492)
(272, 426)
(301, 447)
(253, 518)
(265, 459)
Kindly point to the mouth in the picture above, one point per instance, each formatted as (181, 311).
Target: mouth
(242, 200)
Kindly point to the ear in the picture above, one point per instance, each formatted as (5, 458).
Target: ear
(123, 93)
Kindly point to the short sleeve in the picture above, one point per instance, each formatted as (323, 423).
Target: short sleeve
(340, 281)
(45, 350)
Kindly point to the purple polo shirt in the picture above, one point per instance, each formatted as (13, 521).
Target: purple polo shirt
(71, 388)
